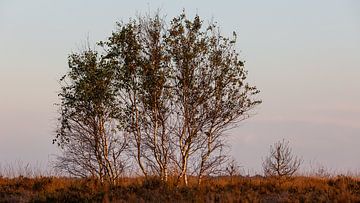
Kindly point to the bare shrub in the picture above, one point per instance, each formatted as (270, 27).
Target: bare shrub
(281, 162)
(233, 168)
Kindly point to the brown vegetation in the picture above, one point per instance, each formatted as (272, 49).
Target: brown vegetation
(219, 189)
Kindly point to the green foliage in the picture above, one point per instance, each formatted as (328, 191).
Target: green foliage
(89, 129)
(87, 92)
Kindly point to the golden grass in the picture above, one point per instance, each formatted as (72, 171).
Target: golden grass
(216, 189)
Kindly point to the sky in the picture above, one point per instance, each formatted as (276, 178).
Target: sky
(304, 56)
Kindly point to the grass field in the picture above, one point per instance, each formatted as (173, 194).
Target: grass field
(218, 189)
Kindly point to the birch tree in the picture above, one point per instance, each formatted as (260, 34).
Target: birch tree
(142, 67)
(88, 132)
(210, 90)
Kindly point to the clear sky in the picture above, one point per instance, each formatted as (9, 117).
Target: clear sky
(304, 56)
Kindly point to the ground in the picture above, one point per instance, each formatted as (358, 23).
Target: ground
(215, 189)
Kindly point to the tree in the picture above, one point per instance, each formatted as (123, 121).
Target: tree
(88, 133)
(210, 91)
(142, 77)
(281, 162)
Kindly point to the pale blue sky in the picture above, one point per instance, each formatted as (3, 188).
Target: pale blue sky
(303, 55)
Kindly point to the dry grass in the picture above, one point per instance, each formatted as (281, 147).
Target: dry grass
(219, 189)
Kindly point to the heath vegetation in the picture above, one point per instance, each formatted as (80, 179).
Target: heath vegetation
(153, 189)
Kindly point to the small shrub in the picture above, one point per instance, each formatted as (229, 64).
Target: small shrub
(281, 162)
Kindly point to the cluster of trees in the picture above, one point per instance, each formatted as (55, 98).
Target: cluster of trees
(158, 96)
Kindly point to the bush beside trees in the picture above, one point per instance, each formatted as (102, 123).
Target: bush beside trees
(281, 162)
